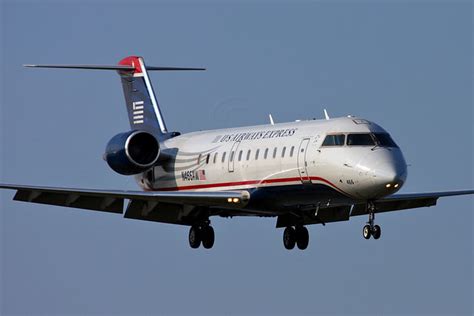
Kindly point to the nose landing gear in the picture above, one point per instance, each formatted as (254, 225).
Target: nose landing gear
(371, 229)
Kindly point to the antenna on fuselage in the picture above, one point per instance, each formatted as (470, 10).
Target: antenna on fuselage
(326, 114)
(271, 119)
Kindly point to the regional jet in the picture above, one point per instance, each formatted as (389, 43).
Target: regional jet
(301, 173)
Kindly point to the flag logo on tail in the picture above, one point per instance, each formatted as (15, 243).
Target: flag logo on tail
(137, 112)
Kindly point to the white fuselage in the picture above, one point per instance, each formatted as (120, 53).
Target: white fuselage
(280, 155)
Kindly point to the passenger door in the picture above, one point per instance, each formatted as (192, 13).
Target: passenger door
(302, 162)
(233, 155)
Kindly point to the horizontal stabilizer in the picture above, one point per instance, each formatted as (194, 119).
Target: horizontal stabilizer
(171, 68)
(97, 67)
(113, 67)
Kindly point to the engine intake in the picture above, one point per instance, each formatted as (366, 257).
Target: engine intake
(132, 152)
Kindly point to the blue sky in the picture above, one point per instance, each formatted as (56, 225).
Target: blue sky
(405, 65)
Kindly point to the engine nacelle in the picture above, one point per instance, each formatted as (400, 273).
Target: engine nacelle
(132, 152)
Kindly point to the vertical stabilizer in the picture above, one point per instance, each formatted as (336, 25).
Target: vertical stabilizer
(144, 113)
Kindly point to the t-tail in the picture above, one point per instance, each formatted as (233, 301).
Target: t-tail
(143, 110)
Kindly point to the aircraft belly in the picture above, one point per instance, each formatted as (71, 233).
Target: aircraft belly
(293, 197)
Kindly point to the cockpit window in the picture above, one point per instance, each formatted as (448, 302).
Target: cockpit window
(360, 140)
(384, 140)
(334, 140)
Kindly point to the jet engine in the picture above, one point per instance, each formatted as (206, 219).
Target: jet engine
(132, 152)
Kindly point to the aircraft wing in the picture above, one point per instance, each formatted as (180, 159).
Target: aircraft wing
(340, 213)
(179, 207)
(142, 205)
(399, 202)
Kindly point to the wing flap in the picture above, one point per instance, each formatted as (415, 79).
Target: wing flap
(394, 205)
(96, 203)
(162, 212)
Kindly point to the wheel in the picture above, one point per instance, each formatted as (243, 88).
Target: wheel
(366, 231)
(376, 232)
(194, 237)
(302, 237)
(289, 238)
(207, 235)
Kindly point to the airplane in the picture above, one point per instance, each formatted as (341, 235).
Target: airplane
(304, 172)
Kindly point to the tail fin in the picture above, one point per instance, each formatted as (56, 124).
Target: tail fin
(143, 110)
(144, 113)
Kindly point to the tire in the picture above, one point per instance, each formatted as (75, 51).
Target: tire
(208, 237)
(194, 237)
(289, 238)
(302, 237)
(376, 232)
(366, 232)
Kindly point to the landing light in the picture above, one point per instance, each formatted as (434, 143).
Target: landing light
(229, 200)
(236, 200)
(388, 185)
(396, 185)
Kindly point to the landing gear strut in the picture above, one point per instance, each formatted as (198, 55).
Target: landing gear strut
(371, 229)
(203, 233)
(296, 236)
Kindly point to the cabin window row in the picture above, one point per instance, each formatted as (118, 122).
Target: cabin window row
(243, 155)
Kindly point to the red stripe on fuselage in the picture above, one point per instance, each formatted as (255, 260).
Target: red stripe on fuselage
(249, 182)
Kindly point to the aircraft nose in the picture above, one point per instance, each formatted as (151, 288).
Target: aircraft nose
(391, 175)
(385, 173)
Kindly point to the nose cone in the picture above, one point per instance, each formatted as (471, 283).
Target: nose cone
(390, 175)
(387, 173)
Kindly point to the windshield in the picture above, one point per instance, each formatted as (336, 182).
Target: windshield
(334, 140)
(384, 140)
(360, 140)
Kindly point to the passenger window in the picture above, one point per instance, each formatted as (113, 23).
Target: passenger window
(256, 154)
(334, 140)
(231, 158)
(283, 152)
(265, 154)
(292, 151)
(248, 155)
(215, 158)
(223, 156)
(199, 159)
(274, 152)
(240, 155)
(360, 140)
(208, 157)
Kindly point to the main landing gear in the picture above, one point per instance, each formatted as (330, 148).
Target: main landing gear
(201, 234)
(296, 236)
(370, 229)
